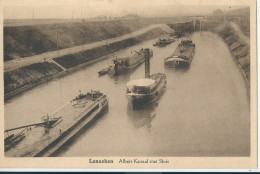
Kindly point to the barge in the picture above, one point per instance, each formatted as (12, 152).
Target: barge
(182, 56)
(56, 130)
(127, 64)
(163, 42)
(103, 72)
(176, 35)
(146, 90)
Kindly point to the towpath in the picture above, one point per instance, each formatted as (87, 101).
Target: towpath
(13, 64)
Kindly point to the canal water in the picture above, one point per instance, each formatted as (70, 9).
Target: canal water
(203, 112)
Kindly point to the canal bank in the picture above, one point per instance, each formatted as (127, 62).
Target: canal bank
(239, 47)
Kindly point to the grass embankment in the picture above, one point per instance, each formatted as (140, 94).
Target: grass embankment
(238, 48)
(27, 75)
(24, 41)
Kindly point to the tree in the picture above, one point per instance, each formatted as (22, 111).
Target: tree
(217, 12)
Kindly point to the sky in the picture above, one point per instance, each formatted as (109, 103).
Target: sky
(47, 9)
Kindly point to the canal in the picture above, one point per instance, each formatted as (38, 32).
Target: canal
(204, 111)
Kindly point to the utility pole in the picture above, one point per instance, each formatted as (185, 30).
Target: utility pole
(194, 23)
(33, 14)
(147, 63)
(57, 43)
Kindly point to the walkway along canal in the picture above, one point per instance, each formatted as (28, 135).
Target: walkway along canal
(204, 111)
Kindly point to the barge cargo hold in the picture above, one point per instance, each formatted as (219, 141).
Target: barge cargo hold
(127, 64)
(57, 129)
(182, 56)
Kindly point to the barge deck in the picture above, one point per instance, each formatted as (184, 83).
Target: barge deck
(72, 117)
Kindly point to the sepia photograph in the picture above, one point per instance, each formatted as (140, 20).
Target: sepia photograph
(128, 82)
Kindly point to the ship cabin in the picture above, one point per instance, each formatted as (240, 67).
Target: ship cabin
(186, 42)
(141, 86)
(92, 95)
(176, 34)
(80, 96)
(164, 42)
(121, 61)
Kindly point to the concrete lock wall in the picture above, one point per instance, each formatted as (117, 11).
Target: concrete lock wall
(194, 25)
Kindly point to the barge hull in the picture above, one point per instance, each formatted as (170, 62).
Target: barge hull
(138, 102)
(84, 123)
(134, 62)
(177, 64)
(182, 56)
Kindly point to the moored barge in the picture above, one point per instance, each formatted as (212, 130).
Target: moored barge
(163, 42)
(125, 64)
(103, 72)
(146, 90)
(55, 130)
(182, 56)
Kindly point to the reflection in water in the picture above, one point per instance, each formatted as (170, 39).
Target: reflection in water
(123, 78)
(176, 70)
(142, 117)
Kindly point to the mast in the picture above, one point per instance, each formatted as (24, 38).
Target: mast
(147, 62)
(57, 42)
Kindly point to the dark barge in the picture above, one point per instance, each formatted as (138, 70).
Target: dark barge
(163, 42)
(127, 64)
(182, 56)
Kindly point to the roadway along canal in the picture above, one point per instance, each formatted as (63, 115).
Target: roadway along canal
(204, 111)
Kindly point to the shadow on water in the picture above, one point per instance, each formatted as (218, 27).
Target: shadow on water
(121, 78)
(176, 70)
